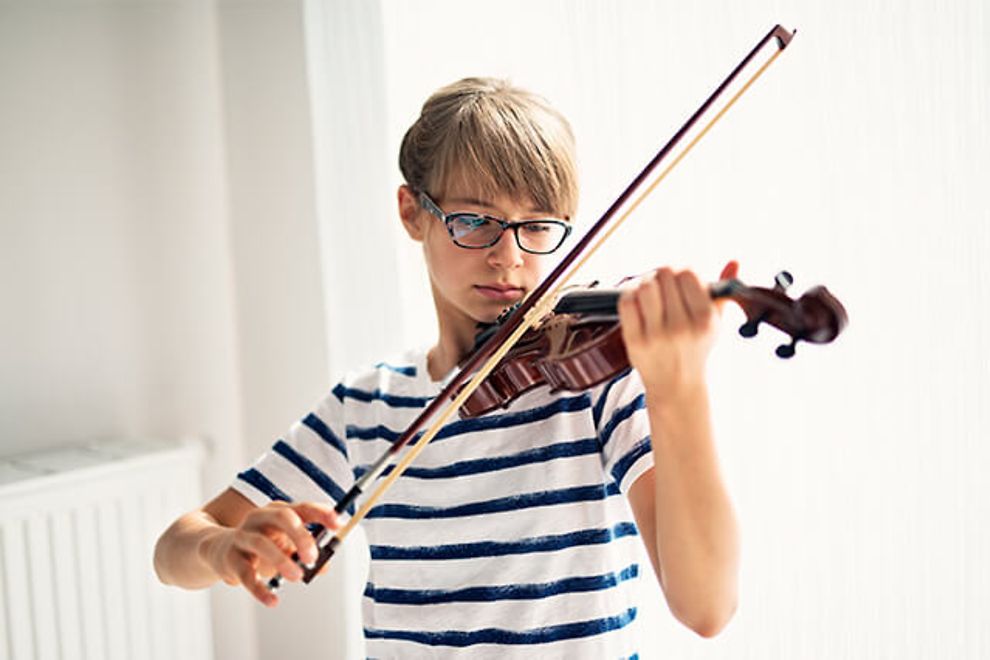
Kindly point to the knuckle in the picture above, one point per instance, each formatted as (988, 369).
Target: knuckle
(255, 541)
(242, 537)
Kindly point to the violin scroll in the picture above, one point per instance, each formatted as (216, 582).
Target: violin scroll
(817, 317)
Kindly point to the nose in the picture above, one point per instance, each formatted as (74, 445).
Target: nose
(505, 254)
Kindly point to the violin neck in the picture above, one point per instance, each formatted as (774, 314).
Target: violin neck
(600, 302)
(604, 302)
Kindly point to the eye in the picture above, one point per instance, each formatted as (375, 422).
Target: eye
(467, 222)
(537, 228)
(472, 230)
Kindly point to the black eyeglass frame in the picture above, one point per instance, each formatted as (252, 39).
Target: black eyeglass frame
(447, 218)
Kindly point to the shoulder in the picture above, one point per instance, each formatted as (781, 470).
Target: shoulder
(400, 378)
(623, 390)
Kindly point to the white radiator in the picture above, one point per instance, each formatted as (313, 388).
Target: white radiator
(77, 531)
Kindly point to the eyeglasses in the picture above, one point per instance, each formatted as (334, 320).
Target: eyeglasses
(476, 231)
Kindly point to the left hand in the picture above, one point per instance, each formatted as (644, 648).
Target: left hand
(669, 323)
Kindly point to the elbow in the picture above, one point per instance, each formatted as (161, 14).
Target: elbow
(709, 622)
(714, 624)
(158, 560)
(709, 628)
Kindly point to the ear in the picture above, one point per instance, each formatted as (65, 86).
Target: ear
(410, 213)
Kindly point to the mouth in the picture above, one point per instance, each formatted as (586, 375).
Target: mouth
(499, 292)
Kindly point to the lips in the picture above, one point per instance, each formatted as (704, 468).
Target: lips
(499, 292)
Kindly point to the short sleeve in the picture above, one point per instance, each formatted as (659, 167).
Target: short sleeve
(623, 428)
(310, 463)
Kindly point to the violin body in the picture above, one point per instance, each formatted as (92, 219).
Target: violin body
(565, 352)
(580, 344)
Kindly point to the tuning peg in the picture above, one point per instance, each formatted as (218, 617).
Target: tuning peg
(750, 329)
(783, 280)
(786, 351)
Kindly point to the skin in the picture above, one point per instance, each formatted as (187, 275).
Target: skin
(681, 506)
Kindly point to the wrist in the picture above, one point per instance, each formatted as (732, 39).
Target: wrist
(209, 547)
(685, 395)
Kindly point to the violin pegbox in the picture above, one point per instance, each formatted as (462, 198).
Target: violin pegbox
(782, 281)
(816, 317)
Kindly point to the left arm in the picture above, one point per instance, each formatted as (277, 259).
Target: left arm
(681, 505)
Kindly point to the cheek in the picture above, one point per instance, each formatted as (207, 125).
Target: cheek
(536, 267)
(446, 262)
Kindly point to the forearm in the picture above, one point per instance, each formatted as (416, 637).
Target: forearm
(181, 551)
(697, 537)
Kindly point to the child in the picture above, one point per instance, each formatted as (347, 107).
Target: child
(517, 532)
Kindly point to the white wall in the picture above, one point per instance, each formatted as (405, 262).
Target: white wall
(283, 323)
(159, 261)
(116, 274)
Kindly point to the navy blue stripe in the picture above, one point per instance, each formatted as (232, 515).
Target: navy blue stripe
(321, 429)
(393, 400)
(499, 549)
(487, 422)
(379, 432)
(260, 481)
(619, 416)
(479, 465)
(544, 635)
(561, 405)
(622, 466)
(512, 503)
(502, 592)
(405, 370)
(600, 404)
(311, 470)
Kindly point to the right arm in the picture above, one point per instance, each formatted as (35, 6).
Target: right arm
(231, 539)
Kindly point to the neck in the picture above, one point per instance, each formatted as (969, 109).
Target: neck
(450, 349)
(456, 339)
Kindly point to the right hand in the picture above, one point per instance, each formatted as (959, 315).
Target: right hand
(263, 544)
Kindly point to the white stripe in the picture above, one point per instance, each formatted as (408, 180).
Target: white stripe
(506, 526)
(615, 644)
(517, 569)
(550, 611)
(553, 475)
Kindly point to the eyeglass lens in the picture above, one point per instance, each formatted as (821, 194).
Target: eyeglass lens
(471, 230)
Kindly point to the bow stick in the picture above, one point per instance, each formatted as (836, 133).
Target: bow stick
(531, 310)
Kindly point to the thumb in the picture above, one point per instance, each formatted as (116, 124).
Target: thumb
(730, 271)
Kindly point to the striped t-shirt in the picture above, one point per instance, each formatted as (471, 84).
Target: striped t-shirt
(509, 536)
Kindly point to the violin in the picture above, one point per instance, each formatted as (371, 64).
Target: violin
(579, 345)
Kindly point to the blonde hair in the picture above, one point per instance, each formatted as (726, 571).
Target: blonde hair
(497, 137)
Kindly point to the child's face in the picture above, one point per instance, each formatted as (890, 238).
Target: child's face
(471, 285)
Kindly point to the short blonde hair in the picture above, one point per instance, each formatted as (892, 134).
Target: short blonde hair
(499, 138)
